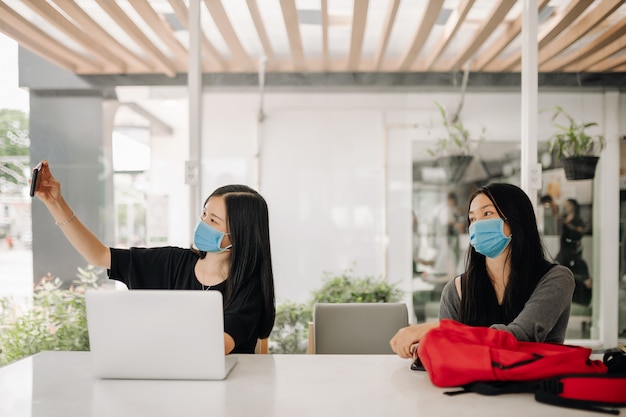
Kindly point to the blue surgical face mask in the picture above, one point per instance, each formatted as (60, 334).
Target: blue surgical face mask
(487, 237)
(209, 239)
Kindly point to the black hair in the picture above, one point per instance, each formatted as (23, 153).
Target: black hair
(527, 261)
(250, 255)
(575, 206)
(545, 199)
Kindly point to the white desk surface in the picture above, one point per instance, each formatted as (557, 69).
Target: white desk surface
(59, 384)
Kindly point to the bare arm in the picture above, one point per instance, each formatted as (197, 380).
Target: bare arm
(86, 243)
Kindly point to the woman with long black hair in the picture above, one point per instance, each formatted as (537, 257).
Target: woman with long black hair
(230, 254)
(508, 282)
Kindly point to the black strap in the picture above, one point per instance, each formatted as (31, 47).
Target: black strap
(497, 388)
(553, 399)
(615, 360)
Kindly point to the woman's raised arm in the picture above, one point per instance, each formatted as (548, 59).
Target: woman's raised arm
(48, 190)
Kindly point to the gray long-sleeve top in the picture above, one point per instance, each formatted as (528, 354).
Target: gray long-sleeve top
(545, 315)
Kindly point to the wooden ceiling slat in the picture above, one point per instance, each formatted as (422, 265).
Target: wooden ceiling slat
(503, 41)
(33, 45)
(583, 36)
(260, 29)
(490, 24)
(208, 50)
(102, 39)
(290, 16)
(557, 24)
(621, 68)
(32, 35)
(359, 19)
(561, 23)
(580, 29)
(164, 31)
(138, 36)
(217, 12)
(598, 58)
(390, 18)
(611, 64)
(423, 30)
(325, 57)
(102, 55)
(614, 33)
(453, 24)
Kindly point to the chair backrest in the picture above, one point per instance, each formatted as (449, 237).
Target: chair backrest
(357, 328)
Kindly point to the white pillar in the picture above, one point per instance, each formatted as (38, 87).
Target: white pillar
(193, 177)
(605, 229)
(530, 169)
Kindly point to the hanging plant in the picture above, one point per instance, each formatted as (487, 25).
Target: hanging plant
(578, 150)
(453, 151)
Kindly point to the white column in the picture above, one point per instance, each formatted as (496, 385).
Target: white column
(530, 169)
(193, 176)
(606, 230)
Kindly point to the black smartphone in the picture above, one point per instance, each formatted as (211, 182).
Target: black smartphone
(417, 365)
(33, 179)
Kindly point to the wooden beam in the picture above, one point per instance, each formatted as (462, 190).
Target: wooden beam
(453, 24)
(423, 30)
(163, 30)
(325, 57)
(217, 12)
(390, 18)
(260, 29)
(31, 44)
(41, 43)
(556, 26)
(601, 58)
(614, 33)
(138, 36)
(580, 29)
(495, 18)
(503, 41)
(292, 24)
(359, 19)
(101, 38)
(76, 33)
(208, 50)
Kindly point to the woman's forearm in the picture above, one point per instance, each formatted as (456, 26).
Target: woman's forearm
(83, 240)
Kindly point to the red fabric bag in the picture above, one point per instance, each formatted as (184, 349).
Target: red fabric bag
(455, 354)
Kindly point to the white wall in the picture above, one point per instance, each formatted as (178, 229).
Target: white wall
(333, 175)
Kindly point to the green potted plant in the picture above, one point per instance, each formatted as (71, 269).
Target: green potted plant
(453, 151)
(577, 149)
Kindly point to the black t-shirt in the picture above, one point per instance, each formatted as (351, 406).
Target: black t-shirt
(172, 268)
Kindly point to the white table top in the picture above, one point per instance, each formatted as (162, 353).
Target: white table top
(55, 384)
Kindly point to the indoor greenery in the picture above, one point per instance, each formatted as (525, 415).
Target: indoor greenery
(572, 138)
(290, 333)
(457, 138)
(56, 321)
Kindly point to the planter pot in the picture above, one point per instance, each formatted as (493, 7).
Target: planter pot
(454, 165)
(580, 167)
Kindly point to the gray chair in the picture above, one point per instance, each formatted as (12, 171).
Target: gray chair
(355, 328)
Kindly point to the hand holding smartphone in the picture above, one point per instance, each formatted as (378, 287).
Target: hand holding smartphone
(34, 178)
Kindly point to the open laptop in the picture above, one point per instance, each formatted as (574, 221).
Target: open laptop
(157, 334)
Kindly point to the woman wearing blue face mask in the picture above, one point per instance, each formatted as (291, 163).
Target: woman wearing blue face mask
(508, 282)
(230, 253)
